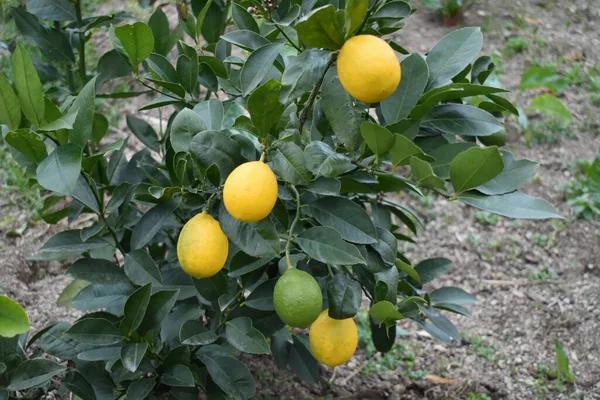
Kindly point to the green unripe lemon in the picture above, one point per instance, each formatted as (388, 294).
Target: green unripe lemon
(298, 299)
(497, 139)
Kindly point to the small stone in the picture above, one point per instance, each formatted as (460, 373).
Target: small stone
(481, 13)
(518, 361)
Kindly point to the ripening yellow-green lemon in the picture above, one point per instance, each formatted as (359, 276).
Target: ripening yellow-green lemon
(202, 246)
(333, 341)
(297, 298)
(368, 68)
(250, 191)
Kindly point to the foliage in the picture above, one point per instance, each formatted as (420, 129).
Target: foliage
(583, 193)
(159, 331)
(448, 8)
(515, 45)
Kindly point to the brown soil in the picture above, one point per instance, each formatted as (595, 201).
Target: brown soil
(535, 281)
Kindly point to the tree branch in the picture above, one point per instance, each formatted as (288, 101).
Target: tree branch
(313, 94)
(288, 245)
(288, 38)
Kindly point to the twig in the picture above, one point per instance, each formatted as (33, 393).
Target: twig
(288, 245)
(163, 93)
(288, 38)
(357, 370)
(82, 67)
(518, 283)
(313, 94)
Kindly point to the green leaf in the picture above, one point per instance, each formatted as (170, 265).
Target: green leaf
(515, 173)
(10, 111)
(134, 42)
(212, 288)
(33, 373)
(215, 64)
(423, 171)
(150, 223)
(141, 268)
(402, 150)
(261, 298)
(96, 271)
(387, 245)
(321, 160)
(52, 10)
(27, 143)
(474, 167)
(302, 361)
(286, 18)
(338, 106)
(228, 373)
(445, 154)
(326, 245)
(240, 333)
(502, 102)
(200, 19)
(452, 54)
(53, 43)
(562, 361)
(159, 307)
(385, 312)
(195, 333)
(70, 291)
(60, 170)
(482, 68)
(178, 375)
(289, 164)
(393, 10)
(451, 295)
(187, 71)
(408, 270)
(140, 389)
(345, 216)
(243, 19)
(84, 104)
(378, 138)
(257, 239)
(344, 296)
(512, 205)
(461, 119)
(321, 29)
(302, 73)
(211, 112)
(185, 126)
(354, 14)
(64, 122)
(144, 132)
(28, 85)
(432, 268)
(164, 39)
(414, 78)
(132, 355)
(382, 336)
(135, 308)
(13, 319)
(536, 77)
(95, 331)
(552, 107)
(257, 66)
(215, 147)
(78, 385)
(97, 296)
(265, 108)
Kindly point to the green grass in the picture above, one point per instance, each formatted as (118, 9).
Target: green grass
(583, 192)
(515, 45)
(486, 218)
(481, 347)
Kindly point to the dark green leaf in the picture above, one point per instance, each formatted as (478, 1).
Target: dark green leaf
(10, 111)
(214, 147)
(265, 108)
(66, 244)
(195, 333)
(164, 39)
(452, 54)
(200, 19)
(257, 66)
(414, 78)
(382, 336)
(28, 85)
(451, 295)
(482, 68)
(13, 319)
(212, 288)
(474, 167)
(326, 245)
(393, 10)
(432, 268)
(95, 331)
(302, 73)
(27, 143)
(243, 19)
(57, 344)
(261, 298)
(289, 164)
(185, 126)
(102, 296)
(135, 308)
(302, 362)
(144, 132)
(378, 138)
(229, 374)
(321, 160)
(211, 112)
(241, 264)
(150, 223)
(258, 239)
(338, 106)
(141, 268)
(96, 271)
(33, 373)
(188, 70)
(347, 217)
(515, 174)
(78, 385)
(52, 10)
(159, 306)
(59, 171)
(140, 389)
(512, 205)
(344, 296)
(240, 333)
(178, 375)
(132, 355)
(321, 29)
(461, 119)
(84, 105)
(100, 354)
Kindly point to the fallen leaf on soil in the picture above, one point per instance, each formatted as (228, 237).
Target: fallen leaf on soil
(532, 21)
(438, 380)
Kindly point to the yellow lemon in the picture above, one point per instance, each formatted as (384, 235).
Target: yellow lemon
(297, 298)
(202, 246)
(368, 68)
(250, 191)
(333, 341)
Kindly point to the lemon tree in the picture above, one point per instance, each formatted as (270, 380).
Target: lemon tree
(268, 137)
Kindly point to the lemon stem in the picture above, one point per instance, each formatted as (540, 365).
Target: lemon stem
(262, 156)
(291, 231)
(209, 201)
